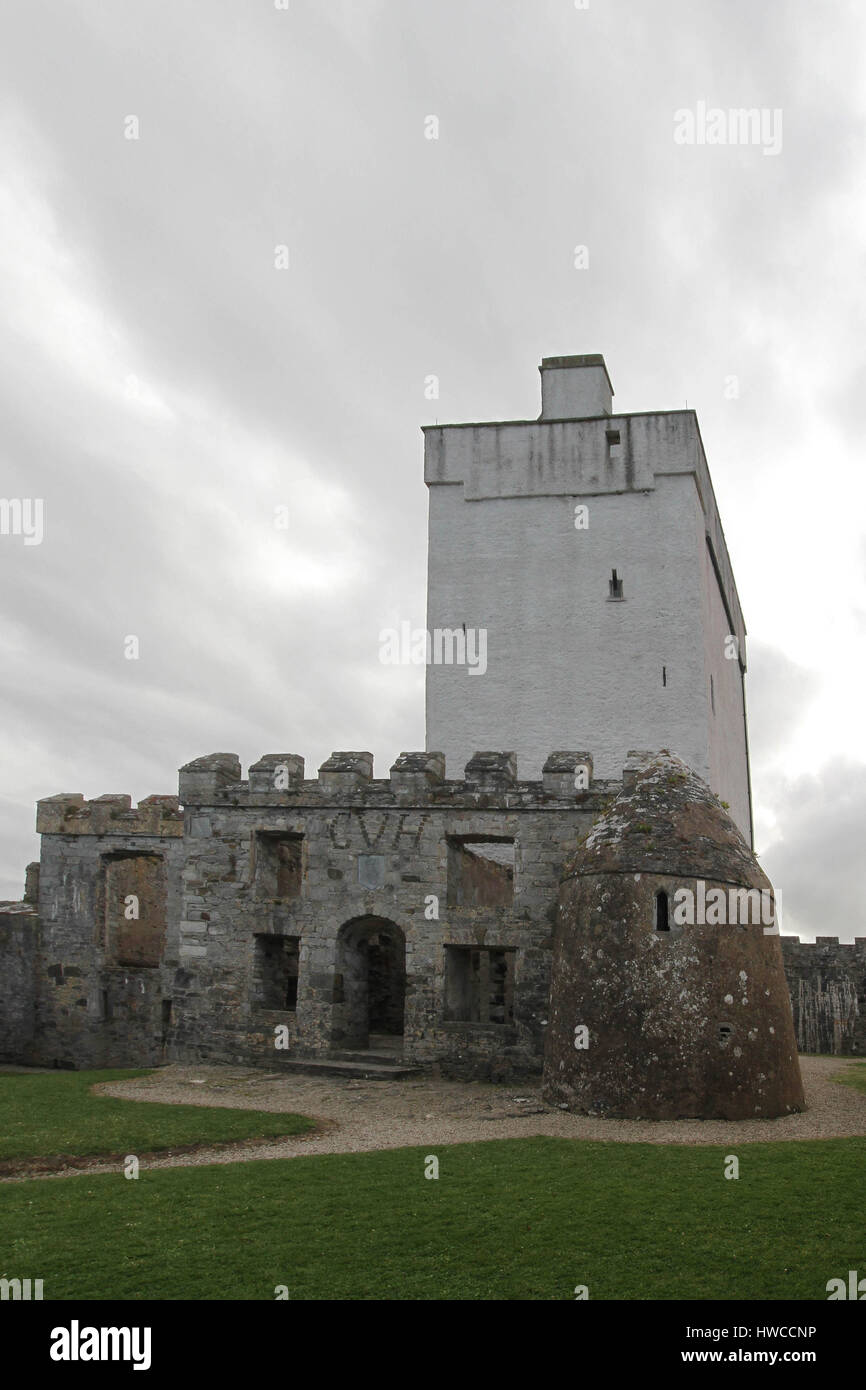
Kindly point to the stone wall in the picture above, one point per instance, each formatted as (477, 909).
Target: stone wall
(827, 982)
(19, 973)
(332, 908)
(327, 909)
(655, 1014)
(373, 863)
(109, 907)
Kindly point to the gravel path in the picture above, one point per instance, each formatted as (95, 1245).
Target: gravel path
(356, 1115)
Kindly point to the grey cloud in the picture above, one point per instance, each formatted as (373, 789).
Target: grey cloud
(779, 692)
(817, 858)
(408, 257)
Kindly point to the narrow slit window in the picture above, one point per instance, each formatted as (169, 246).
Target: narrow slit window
(615, 585)
(662, 918)
(664, 675)
(712, 695)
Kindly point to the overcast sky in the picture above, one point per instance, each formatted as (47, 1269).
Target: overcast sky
(166, 386)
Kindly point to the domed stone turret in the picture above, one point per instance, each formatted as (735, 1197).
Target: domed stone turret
(668, 995)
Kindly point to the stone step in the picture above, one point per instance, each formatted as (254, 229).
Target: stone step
(388, 1059)
(332, 1066)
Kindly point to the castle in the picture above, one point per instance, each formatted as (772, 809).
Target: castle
(472, 921)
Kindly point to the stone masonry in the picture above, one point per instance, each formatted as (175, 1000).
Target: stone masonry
(827, 981)
(660, 1008)
(378, 858)
(330, 908)
(325, 913)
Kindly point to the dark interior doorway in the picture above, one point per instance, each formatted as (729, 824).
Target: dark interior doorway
(370, 983)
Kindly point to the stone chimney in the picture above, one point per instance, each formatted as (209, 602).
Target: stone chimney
(575, 388)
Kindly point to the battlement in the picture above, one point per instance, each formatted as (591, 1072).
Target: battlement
(111, 814)
(826, 945)
(416, 778)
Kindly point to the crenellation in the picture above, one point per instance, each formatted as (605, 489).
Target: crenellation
(201, 781)
(346, 772)
(31, 884)
(416, 780)
(167, 800)
(567, 774)
(492, 772)
(110, 814)
(416, 774)
(275, 773)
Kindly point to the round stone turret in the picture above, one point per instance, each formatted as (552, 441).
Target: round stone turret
(668, 994)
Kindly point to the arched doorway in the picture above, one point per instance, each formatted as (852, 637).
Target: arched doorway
(369, 984)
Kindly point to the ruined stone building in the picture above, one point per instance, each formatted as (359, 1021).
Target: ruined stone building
(471, 909)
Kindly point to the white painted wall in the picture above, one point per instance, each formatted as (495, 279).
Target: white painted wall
(729, 771)
(567, 668)
(569, 392)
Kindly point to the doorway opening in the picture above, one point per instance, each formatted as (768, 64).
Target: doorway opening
(369, 985)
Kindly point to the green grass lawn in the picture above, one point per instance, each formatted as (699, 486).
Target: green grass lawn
(853, 1076)
(507, 1219)
(50, 1114)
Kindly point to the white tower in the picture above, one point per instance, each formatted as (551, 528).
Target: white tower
(587, 546)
